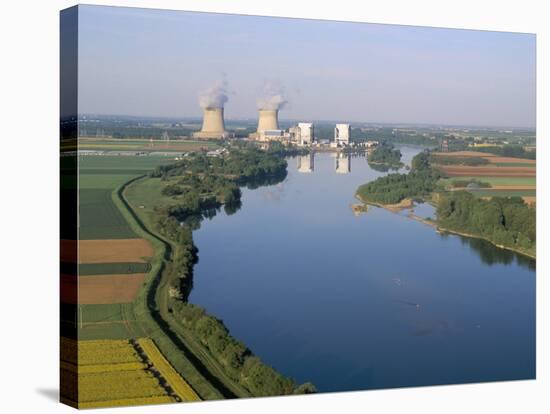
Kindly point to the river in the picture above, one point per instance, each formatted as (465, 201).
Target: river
(367, 301)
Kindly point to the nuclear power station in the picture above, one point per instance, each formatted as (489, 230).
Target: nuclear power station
(302, 134)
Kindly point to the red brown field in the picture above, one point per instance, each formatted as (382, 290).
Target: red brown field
(492, 158)
(512, 187)
(102, 289)
(108, 251)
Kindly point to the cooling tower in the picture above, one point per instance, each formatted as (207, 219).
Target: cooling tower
(213, 125)
(267, 120)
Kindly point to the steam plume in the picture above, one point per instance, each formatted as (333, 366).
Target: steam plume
(215, 96)
(273, 96)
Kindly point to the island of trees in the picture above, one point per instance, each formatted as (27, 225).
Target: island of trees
(505, 221)
(385, 157)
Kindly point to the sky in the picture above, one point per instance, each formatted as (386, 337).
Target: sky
(156, 63)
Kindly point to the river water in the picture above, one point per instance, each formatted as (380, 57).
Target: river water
(371, 301)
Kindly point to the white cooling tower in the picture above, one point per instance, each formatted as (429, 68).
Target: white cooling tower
(268, 120)
(213, 125)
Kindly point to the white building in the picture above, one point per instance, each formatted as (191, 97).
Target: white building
(342, 134)
(307, 133)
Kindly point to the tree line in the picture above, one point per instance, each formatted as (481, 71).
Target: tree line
(507, 221)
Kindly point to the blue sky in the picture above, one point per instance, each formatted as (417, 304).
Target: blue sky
(156, 63)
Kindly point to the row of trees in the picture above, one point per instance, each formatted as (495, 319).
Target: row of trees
(238, 361)
(450, 160)
(506, 221)
(514, 151)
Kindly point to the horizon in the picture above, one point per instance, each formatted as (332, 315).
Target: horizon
(137, 61)
(198, 119)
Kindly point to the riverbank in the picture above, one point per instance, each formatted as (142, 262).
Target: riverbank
(408, 203)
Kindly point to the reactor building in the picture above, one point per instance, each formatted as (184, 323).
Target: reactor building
(342, 135)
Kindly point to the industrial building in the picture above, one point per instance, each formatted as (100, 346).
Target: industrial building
(306, 133)
(342, 134)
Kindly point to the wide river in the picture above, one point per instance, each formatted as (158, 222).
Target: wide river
(362, 302)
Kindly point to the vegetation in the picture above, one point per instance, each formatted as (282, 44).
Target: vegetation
(513, 151)
(466, 161)
(505, 221)
(177, 383)
(472, 182)
(104, 368)
(394, 188)
(385, 155)
(99, 217)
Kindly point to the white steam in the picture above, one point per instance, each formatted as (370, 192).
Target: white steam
(215, 96)
(273, 96)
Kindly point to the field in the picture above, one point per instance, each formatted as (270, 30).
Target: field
(106, 367)
(506, 176)
(117, 308)
(101, 289)
(178, 146)
(465, 171)
(114, 251)
(496, 181)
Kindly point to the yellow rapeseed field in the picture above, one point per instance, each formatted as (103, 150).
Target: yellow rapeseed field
(176, 382)
(109, 373)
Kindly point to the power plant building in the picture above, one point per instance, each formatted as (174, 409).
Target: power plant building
(342, 134)
(307, 133)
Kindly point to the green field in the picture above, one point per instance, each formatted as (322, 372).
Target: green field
(494, 180)
(99, 217)
(176, 146)
(99, 176)
(120, 163)
(91, 269)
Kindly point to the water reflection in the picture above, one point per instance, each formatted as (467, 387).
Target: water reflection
(343, 163)
(491, 255)
(306, 163)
